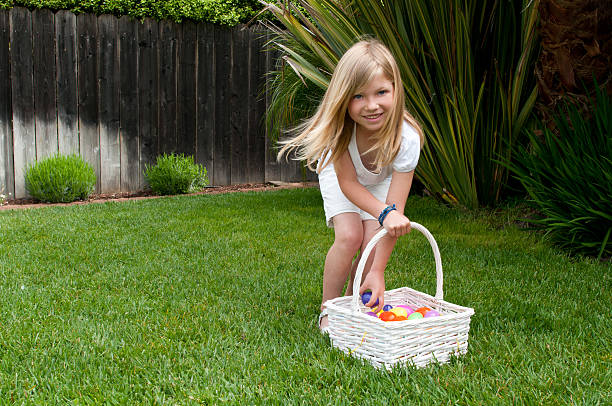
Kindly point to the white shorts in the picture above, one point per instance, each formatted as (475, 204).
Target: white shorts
(334, 201)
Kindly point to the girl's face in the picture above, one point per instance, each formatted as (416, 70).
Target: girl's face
(371, 105)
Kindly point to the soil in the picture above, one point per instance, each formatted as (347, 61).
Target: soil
(211, 190)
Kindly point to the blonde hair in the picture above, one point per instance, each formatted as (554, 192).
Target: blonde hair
(329, 130)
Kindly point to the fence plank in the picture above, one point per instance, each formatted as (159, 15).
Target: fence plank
(167, 85)
(222, 141)
(273, 167)
(44, 82)
(24, 140)
(206, 98)
(7, 180)
(186, 90)
(108, 105)
(128, 104)
(257, 107)
(239, 85)
(67, 106)
(87, 82)
(291, 171)
(148, 94)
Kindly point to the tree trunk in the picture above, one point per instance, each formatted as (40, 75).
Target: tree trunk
(576, 46)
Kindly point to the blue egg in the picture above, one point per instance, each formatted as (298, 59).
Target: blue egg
(387, 307)
(366, 296)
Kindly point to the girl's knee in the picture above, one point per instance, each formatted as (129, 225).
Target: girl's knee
(349, 241)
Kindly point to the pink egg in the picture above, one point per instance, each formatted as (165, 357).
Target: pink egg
(409, 309)
(432, 313)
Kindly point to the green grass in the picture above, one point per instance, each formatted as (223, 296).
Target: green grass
(213, 299)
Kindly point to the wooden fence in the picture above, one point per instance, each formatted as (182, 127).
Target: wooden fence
(120, 91)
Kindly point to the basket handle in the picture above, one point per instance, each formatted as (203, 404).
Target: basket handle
(368, 249)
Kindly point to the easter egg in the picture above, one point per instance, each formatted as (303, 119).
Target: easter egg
(387, 307)
(372, 314)
(431, 313)
(401, 318)
(366, 296)
(422, 310)
(387, 316)
(409, 310)
(399, 311)
(415, 315)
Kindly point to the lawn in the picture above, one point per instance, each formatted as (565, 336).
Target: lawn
(213, 299)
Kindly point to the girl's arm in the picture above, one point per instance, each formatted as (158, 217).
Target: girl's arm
(398, 193)
(395, 223)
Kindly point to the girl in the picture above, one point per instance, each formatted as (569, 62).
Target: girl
(364, 146)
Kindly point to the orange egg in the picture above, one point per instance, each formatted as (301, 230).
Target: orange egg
(422, 310)
(401, 318)
(387, 316)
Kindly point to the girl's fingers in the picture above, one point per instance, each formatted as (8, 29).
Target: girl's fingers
(400, 230)
(397, 224)
(373, 299)
(381, 302)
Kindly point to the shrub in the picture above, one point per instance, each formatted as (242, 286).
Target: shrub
(569, 178)
(226, 12)
(176, 174)
(60, 179)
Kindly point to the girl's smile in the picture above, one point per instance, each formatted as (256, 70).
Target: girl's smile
(374, 117)
(370, 105)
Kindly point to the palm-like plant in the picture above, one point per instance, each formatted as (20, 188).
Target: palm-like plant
(466, 72)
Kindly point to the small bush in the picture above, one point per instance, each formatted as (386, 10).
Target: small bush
(176, 174)
(569, 178)
(60, 179)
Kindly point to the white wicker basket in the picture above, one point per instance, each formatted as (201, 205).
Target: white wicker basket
(413, 342)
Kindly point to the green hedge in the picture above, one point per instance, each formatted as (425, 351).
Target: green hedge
(226, 12)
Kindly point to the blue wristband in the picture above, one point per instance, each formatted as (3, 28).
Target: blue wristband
(384, 213)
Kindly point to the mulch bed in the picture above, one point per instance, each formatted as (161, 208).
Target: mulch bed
(119, 197)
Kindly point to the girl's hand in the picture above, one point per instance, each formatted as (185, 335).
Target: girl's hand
(375, 282)
(396, 224)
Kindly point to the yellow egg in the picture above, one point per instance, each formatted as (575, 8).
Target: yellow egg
(399, 311)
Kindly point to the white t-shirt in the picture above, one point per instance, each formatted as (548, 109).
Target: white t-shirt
(405, 161)
(378, 184)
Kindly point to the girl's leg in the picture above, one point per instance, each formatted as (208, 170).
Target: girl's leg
(370, 228)
(348, 235)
